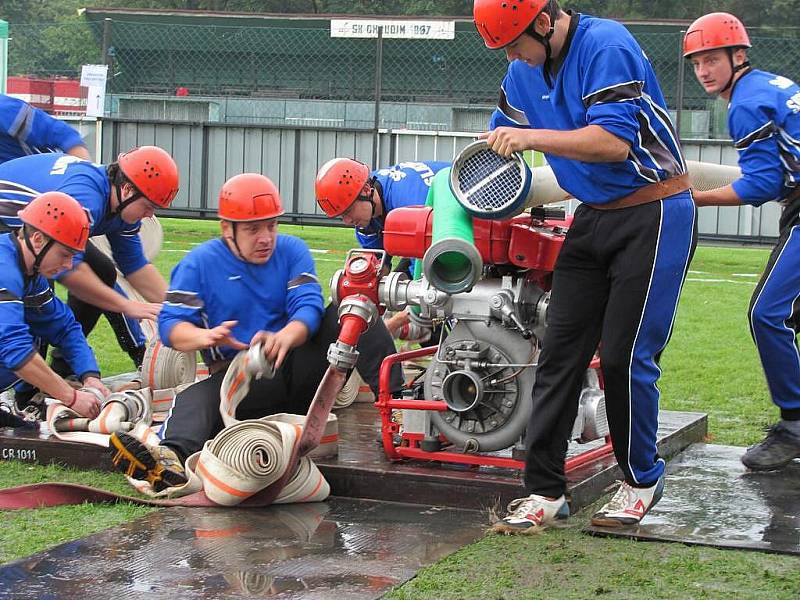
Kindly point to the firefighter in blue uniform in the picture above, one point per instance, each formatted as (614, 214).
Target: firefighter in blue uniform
(346, 189)
(580, 90)
(250, 286)
(55, 228)
(117, 197)
(764, 122)
(27, 130)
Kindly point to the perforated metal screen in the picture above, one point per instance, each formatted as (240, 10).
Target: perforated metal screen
(486, 183)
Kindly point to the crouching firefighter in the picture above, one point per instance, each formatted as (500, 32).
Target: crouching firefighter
(54, 228)
(250, 287)
(118, 196)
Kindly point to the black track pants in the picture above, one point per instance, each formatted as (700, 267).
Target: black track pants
(617, 279)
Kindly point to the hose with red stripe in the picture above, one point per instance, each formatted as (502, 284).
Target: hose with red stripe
(249, 463)
(249, 456)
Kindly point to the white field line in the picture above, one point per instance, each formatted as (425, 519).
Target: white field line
(704, 280)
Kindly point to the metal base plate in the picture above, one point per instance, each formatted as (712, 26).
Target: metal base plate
(711, 499)
(342, 548)
(361, 469)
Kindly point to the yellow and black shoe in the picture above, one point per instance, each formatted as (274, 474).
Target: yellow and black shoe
(161, 468)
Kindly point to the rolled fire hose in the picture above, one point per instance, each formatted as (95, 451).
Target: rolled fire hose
(306, 438)
(164, 367)
(348, 394)
(249, 456)
(165, 371)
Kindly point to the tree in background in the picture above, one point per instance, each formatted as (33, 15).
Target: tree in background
(777, 13)
(48, 36)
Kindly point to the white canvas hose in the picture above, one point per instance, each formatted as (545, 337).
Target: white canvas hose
(165, 371)
(151, 236)
(704, 176)
(165, 368)
(245, 458)
(347, 395)
(120, 411)
(248, 456)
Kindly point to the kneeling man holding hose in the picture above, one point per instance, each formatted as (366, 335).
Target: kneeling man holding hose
(250, 287)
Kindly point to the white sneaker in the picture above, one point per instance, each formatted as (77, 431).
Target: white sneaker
(629, 505)
(528, 515)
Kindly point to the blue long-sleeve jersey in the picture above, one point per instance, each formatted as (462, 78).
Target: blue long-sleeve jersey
(27, 130)
(603, 79)
(404, 184)
(23, 179)
(764, 122)
(29, 311)
(211, 285)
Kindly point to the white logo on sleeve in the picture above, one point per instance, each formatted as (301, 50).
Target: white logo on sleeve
(61, 164)
(793, 103)
(396, 173)
(392, 173)
(782, 82)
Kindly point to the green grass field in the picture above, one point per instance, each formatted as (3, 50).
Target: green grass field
(709, 366)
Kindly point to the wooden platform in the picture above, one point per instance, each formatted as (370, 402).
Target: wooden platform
(362, 471)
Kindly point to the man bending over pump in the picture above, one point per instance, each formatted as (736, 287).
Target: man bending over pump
(55, 227)
(252, 285)
(345, 188)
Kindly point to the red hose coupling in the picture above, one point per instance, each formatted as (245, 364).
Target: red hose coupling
(356, 314)
(352, 326)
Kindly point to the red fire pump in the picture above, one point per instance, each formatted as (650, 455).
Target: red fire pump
(472, 402)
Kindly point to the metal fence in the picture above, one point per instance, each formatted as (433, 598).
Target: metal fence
(253, 63)
(207, 154)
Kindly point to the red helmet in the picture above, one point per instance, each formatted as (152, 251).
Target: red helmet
(714, 31)
(249, 197)
(500, 22)
(60, 217)
(153, 172)
(339, 183)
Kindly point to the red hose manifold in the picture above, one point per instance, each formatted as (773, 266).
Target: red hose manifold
(360, 276)
(520, 241)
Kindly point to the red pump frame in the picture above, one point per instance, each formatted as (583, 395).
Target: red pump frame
(385, 404)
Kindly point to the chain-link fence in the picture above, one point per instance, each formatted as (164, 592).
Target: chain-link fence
(256, 63)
